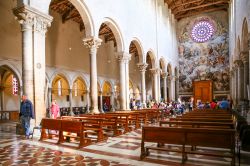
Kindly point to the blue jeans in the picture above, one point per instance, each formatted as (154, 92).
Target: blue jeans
(26, 125)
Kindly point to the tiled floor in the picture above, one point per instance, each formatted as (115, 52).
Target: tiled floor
(119, 151)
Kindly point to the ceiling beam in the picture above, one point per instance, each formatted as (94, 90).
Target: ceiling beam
(68, 13)
(178, 17)
(185, 3)
(57, 3)
(200, 6)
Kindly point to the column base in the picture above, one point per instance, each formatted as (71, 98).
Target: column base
(94, 111)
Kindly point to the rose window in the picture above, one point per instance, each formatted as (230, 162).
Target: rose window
(202, 31)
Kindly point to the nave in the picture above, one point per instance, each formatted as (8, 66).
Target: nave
(121, 150)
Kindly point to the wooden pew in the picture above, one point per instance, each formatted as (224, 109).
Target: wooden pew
(198, 124)
(211, 138)
(49, 124)
(201, 119)
(76, 127)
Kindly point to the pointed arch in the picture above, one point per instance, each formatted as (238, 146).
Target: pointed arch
(238, 48)
(13, 69)
(244, 36)
(106, 88)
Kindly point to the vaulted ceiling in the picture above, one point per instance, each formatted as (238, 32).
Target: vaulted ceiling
(187, 8)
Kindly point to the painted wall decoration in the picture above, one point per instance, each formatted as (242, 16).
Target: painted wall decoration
(203, 53)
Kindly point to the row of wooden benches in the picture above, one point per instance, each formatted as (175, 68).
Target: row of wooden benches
(198, 128)
(98, 125)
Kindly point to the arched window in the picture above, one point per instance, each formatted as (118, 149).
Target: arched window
(14, 85)
(59, 88)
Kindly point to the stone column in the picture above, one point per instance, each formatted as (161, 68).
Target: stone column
(25, 17)
(49, 97)
(112, 102)
(2, 99)
(142, 67)
(101, 104)
(170, 87)
(34, 26)
(240, 78)
(88, 103)
(127, 84)
(232, 85)
(92, 44)
(244, 57)
(155, 73)
(124, 59)
(236, 85)
(164, 77)
(176, 87)
(70, 102)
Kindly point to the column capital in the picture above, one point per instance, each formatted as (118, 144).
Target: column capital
(142, 66)
(155, 71)
(244, 56)
(164, 74)
(238, 63)
(30, 18)
(123, 57)
(92, 42)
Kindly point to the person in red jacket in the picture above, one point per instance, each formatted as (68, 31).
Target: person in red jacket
(213, 104)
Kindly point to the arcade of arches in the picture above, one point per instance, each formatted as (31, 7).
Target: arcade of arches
(88, 53)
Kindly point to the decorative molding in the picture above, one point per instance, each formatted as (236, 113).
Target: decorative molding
(92, 42)
(142, 66)
(244, 56)
(31, 18)
(155, 71)
(123, 57)
(164, 74)
(238, 63)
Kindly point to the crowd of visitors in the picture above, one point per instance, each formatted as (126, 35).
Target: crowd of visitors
(179, 107)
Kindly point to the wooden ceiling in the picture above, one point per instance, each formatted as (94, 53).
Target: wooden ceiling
(133, 49)
(67, 11)
(187, 8)
(107, 34)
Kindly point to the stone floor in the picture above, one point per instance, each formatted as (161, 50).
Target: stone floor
(116, 151)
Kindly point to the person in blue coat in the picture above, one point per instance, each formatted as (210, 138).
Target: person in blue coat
(26, 113)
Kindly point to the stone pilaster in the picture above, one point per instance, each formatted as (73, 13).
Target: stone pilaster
(142, 67)
(124, 59)
(93, 43)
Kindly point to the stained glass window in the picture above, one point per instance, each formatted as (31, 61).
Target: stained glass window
(202, 31)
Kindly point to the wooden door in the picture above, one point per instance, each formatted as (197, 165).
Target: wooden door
(203, 91)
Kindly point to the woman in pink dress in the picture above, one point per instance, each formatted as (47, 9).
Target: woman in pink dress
(54, 109)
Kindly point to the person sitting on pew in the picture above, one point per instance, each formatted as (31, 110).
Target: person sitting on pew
(213, 104)
(224, 104)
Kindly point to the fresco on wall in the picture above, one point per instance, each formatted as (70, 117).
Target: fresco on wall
(200, 59)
